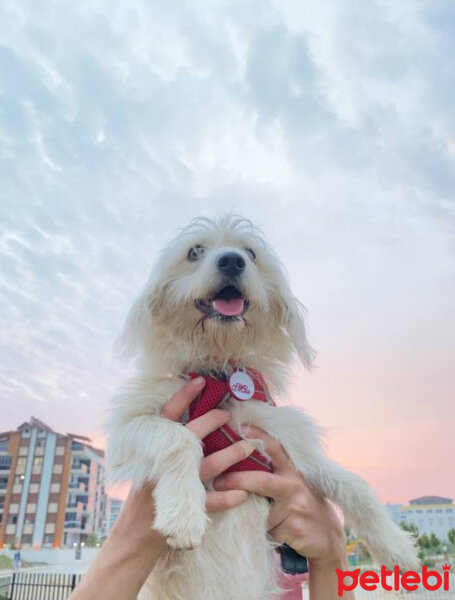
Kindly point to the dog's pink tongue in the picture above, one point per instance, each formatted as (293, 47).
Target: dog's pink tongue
(229, 308)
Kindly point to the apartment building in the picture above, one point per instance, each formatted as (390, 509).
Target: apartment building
(114, 506)
(52, 487)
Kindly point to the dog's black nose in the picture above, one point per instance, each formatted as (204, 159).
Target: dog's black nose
(231, 264)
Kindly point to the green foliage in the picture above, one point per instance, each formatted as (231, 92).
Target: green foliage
(91, 540)
(435, 542)
(424, 541)
(411, 528)
(5, 562)
(451, 536)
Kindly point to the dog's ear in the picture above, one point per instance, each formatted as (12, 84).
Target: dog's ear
(137, 334)
(293, 322)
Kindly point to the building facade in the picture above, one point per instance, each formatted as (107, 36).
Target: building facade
(52, 488)
(430, 514)
(114, 506)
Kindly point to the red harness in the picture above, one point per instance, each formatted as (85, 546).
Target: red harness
(214, 393)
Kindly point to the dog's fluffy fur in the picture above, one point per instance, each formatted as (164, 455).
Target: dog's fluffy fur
(233, 558)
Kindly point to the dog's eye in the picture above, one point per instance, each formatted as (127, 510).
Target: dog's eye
(196, 252)
(251, 253)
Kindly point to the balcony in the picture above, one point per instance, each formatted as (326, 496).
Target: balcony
(78, 468)
(77, 485)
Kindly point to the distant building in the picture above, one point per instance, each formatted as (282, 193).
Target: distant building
(114, 506)
(394, 512)
(52, 490)
(430, 514)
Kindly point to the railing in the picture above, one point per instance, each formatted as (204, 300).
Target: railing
(37, 586)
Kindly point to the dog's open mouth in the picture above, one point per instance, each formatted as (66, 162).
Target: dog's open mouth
(227, 303)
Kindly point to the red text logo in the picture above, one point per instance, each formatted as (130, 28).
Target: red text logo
(409, 580)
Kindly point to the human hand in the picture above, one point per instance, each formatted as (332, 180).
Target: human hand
(133, 548)
(307, 523)
(219, 461)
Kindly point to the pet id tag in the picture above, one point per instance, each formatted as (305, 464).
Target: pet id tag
(241, 385)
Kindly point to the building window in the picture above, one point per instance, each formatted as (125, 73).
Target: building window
(40, 443)
(70, 516)
(76, 445)
(12, 520)
(5, 463)
(26, 432)
(4, 445)
(48, 539)
(3, 483)
(439, 510)
(37, 461)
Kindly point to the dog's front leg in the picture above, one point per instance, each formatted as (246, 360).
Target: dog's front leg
(300, 437)
(148, 447)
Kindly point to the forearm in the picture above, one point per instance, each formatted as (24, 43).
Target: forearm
(127, 557)
(323, 579)
(119, 571)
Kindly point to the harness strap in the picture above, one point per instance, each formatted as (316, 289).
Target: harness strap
(214, 393)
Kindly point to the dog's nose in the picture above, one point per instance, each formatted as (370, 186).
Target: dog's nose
(231, 264)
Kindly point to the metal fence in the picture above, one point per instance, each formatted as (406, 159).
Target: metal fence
(38, 586)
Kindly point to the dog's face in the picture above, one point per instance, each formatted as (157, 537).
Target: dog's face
(217, 293)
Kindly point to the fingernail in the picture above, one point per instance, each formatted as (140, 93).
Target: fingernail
(246, 431)
(198, 381)
(247, 446)
(219, 482)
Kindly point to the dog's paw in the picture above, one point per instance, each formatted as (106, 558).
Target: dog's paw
(184, 532)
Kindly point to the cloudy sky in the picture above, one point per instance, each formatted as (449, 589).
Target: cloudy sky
(331, 125)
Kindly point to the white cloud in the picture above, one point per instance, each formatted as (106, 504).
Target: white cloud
(331, 125)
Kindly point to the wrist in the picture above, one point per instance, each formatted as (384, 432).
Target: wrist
(335, 559)
(136, 538)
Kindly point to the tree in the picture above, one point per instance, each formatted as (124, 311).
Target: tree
(413, 529)
(435, 542)
(424, 541)
(91, 540)
(451, 536)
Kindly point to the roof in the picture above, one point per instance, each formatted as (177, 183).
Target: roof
(34, 422)
(431, 500)
(79, 437)
(38, 424)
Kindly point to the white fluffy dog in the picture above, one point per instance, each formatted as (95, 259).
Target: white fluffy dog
(218, 296)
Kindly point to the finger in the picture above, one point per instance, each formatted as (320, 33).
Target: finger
(180, 401)
(289, 531)
(209, 422)
(281, 462)
(279, 512)
(218, 501)
(269, 485)
(219, 461)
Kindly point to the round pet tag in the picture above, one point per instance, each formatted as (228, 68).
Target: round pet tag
(241, 385)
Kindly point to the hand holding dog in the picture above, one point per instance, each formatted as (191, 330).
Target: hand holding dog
(133, 548)
(307, 523)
